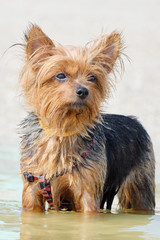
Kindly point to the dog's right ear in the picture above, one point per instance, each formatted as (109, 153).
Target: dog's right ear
(36, 40)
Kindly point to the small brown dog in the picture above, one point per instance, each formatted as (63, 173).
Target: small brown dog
(72, 156)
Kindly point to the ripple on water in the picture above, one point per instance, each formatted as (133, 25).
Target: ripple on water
(10, 220)
(16, 224)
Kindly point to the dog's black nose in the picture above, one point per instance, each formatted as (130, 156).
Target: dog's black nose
(82, 92)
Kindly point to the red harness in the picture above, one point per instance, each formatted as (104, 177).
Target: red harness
(46, 189)
(44, 185)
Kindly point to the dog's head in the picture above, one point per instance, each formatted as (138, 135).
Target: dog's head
(65, 86)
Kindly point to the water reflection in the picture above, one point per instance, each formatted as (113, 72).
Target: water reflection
(80, 226)
(15, 224)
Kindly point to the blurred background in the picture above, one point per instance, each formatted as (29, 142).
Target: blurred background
(73, 22)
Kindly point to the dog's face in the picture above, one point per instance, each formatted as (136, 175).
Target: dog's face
(66, 85)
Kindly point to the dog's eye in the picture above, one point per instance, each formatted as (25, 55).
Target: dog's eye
(61, 77)
(92, 78)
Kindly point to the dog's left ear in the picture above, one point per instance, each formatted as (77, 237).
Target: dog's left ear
(106, 50)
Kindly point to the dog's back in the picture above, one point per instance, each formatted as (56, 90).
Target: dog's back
(130, 163)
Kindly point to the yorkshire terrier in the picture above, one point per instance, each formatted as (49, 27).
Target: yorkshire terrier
(72, 155)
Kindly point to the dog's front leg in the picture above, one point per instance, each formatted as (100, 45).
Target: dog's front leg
(32, 199)
(89, 203)
(87, 194)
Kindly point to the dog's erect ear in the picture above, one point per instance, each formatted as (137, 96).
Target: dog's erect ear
(36, 39)
(106, 50)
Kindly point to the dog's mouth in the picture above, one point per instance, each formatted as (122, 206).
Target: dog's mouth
(76, 105)
(73, 115)
(78, 108)
(79, 105)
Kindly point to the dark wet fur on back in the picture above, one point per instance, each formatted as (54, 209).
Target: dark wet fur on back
(127, 147)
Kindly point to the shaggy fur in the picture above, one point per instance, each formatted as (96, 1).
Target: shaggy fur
(101, 154)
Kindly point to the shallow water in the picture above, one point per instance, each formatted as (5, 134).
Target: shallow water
(69, 225)
(15, 224)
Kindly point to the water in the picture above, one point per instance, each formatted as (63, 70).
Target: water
(16, 224)
(69, 225)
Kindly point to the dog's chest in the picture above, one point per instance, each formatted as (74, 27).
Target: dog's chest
(61, 157)
(47, 155)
